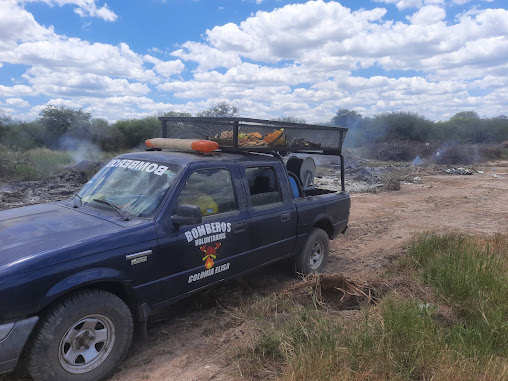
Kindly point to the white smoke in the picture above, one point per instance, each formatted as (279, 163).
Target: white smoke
(81, 150)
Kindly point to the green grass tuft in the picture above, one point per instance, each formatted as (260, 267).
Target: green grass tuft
(31, 164)
(471, 275)
(46, 161)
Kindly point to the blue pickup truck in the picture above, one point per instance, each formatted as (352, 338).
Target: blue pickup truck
(149, 229)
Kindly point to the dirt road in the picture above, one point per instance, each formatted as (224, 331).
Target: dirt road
(192, 340)
(382, 223)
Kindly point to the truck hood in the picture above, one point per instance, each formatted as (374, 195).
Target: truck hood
(28, 231)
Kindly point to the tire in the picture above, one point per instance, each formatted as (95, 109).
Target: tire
(313, 256)
(83, 338)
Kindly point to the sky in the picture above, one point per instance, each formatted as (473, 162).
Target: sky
(124, 59)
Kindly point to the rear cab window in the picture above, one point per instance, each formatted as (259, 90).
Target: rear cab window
(264, 188)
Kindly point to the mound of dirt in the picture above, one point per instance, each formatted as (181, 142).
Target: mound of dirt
(57, 187)
(335, 291)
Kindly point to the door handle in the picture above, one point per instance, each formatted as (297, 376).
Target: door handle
(285, 217)
(241, 227)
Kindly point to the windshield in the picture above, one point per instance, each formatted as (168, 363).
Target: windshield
(135, 188)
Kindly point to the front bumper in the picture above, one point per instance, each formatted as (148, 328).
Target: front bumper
(13, 337)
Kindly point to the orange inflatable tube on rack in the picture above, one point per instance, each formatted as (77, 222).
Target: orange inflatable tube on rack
(183, 144)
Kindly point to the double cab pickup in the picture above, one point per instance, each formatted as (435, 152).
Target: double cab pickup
(149, 229)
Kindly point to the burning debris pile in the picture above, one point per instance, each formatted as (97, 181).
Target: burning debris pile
(364, 175)
(458, 171)
(361, 175)
(56, 187)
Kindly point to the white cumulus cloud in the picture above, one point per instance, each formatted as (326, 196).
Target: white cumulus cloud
(84, 8)
(403, 4)
(15, 91)
(165, 68)
(17, 102)
(428, 15)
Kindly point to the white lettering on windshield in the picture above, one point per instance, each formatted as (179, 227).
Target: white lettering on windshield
(136, 165)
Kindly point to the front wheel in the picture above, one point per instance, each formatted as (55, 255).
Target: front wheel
(82, 339)
(313, 256)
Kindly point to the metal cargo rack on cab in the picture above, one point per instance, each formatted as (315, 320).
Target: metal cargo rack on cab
(257, 135)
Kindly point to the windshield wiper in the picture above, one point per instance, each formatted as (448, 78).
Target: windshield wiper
(125, 218)
(80, 200)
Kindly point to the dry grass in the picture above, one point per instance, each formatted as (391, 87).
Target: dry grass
(391, 181)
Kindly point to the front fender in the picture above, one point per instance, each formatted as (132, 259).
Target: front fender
(83, 279)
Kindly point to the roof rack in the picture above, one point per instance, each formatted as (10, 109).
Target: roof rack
(257, 135)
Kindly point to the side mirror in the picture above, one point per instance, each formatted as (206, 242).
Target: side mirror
(187, 214)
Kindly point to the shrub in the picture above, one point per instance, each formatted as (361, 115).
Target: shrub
(136, 131)
(11, 160)
(466, 154)
(391, 181)
(456, 154)
(397, 150)
(491, 151)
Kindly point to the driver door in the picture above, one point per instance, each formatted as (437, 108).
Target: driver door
(196, 256)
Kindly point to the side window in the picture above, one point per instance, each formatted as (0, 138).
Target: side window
(263, 185)
(210, 189)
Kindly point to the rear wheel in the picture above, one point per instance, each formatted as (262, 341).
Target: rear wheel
(313, 256)
(82, 339)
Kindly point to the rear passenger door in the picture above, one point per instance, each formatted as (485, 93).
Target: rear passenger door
(272, 214)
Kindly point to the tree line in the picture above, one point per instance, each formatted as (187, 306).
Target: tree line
(60, 127)
(64, 128)
(465, 127)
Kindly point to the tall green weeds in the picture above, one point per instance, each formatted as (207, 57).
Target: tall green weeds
(471, 275)
(31, 164)
(38, 163)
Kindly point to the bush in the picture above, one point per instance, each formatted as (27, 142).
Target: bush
(449, 154)
(491, 151)
(456, 154)
(467, 154)
(12, 160)
(391, 181)
(136, 131)
(397, 150)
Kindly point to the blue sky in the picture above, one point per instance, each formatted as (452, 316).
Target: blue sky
(129, 59)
